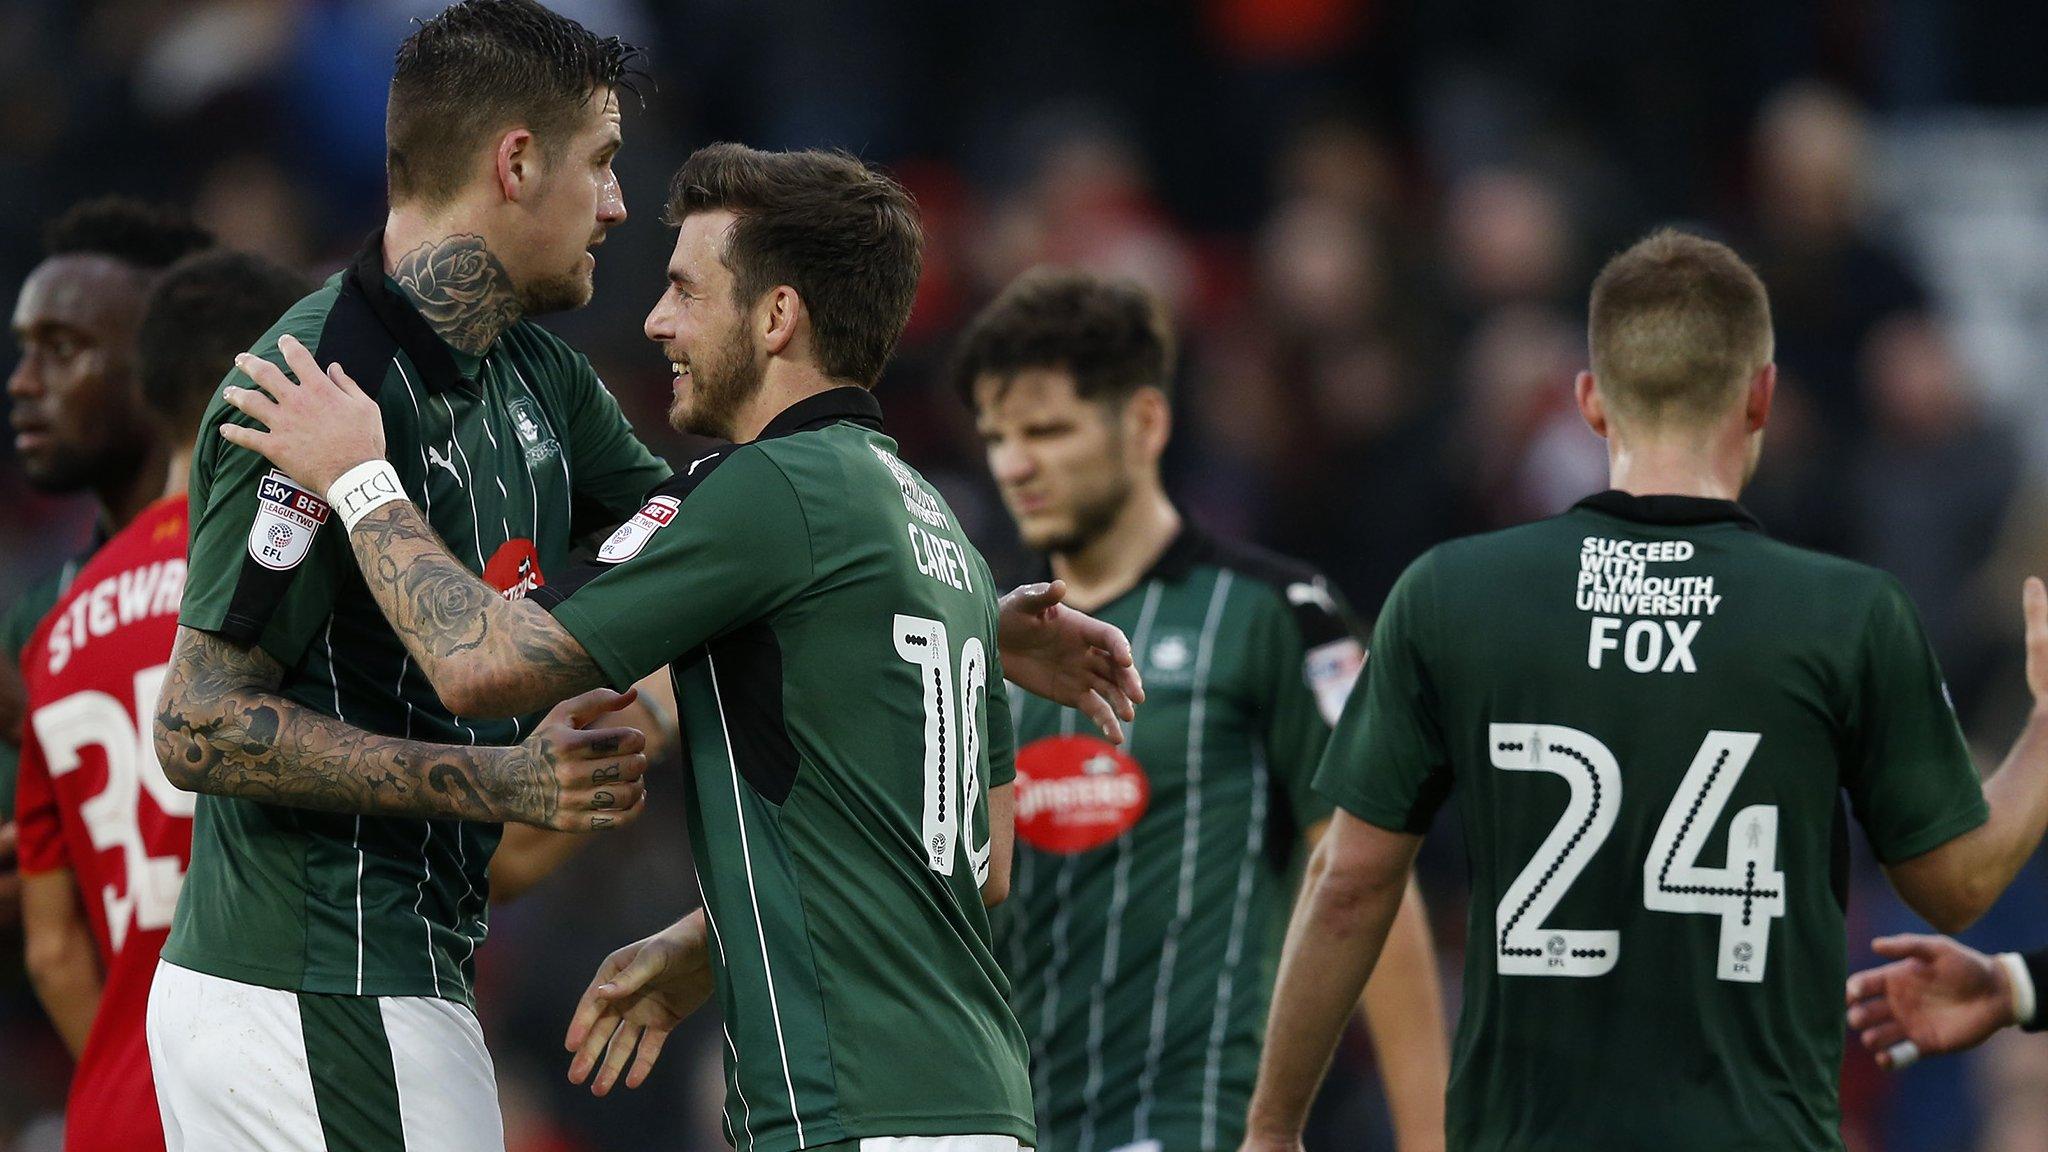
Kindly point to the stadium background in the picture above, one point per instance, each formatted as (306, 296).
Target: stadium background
(1376, 223)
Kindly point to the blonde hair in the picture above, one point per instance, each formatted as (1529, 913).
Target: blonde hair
(1677, 326)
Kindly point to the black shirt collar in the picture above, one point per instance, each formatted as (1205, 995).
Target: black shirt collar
(1672, 511)
(827, 408)
(442, 366)
(1188, 548)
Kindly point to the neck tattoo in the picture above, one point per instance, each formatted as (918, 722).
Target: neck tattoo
(461, 289)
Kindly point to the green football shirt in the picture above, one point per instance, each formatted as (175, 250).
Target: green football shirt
(1149, 901)
(833, 641)
(511, 456)
(1647, 712)
(16, 628)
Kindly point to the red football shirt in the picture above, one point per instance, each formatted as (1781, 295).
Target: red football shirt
(92, 798)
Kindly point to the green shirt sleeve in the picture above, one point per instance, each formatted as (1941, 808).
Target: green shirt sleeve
(264, 560)
(1311, 653)
(705, 555)
(614, 472)
(1908, 772)
(1001, 726)
(16, 630)
(1388, 763)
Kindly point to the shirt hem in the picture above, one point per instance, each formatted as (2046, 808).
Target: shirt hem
(262, 977)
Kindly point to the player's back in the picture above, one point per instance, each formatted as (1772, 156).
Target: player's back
(1648, 712)
(95, 801)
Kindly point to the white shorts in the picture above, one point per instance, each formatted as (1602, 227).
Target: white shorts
(242, 1068)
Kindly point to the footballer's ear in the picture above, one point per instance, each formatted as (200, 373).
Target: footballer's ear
(1763, 387)
(1591, 406)
(514, 164)
(1148, 419)
(778, 315)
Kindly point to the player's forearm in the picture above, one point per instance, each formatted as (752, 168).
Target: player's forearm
(1958, 882)
(63, 965)
(1404, 1009)
(222, 729)
(1339, 926)
(526, 856)
(484, 654)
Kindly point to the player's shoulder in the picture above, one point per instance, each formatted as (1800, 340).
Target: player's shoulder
(532, 348)
(1292, 588)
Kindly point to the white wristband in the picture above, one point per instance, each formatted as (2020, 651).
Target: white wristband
(367, 486)
(2024, 1003)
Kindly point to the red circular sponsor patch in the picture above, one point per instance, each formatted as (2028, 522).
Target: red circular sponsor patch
(1075, 793)
(514, 569)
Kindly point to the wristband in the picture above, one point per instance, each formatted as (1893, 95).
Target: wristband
(362, 489)
(2024, 1004)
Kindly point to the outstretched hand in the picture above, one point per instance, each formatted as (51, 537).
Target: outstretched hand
(1069, 657)
(318, 426)
(1936, 996)
(639, 995)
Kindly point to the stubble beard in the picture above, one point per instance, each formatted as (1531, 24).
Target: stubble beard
(719, 389)
(564, 293)
(1091, 521)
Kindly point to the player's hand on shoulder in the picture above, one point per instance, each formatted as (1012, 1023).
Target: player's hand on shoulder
(640, 993)
(1069, 657)
(1936, 996)
(572, 777)
(315, 427)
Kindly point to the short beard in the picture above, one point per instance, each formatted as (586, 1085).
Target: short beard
(1092, 521)
(564, 293)
(719, 390)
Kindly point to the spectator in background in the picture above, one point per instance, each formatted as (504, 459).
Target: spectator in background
(1931, 486)
(1831, 281)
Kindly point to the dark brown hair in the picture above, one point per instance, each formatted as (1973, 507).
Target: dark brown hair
(483, 66)
(843, 235)
(1111, 336)
(201, 312)
(1678, 325)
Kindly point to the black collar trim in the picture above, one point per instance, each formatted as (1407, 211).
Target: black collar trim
(1189, 547)
(1674, 511)
(849, 403)
(422, 345)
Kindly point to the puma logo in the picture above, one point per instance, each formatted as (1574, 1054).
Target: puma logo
(700, 460)
(435, 458)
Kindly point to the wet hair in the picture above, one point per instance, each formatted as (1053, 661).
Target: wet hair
(201, 312)
(1112, 336)
(146, 236)
(1678, 325)
(479, 68)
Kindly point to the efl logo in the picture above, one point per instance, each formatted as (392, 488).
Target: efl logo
(287, 519)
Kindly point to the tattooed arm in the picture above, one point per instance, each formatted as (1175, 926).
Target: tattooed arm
(222, 728)
(485, 655)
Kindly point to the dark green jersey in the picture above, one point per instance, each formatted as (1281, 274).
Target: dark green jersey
(1149, 900)
(833, 637)
(510, 456)
(23, 615)
(1648, 712)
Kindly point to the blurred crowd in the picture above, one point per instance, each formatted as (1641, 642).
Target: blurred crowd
(1376, 224)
